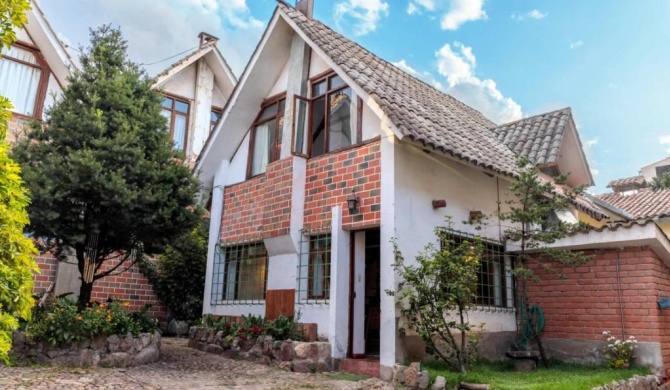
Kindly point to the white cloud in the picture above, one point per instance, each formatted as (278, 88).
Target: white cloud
(533, 14)
(576, 44)
(416, 6)
(664, 139)
(595, 172)
(462, 11)
(456, 67)
(455, 12)
(156, 30)
(363, 16)
(590, 143)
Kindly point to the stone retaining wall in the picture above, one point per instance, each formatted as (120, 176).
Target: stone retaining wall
(649, 382)
(112, 351)
(307, 357)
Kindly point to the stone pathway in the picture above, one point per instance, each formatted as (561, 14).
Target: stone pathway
(179, 368)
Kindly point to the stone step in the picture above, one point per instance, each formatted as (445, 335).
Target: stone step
(367, 366)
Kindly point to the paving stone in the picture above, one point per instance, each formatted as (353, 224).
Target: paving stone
(179, 367)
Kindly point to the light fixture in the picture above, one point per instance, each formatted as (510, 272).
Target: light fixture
(352, 202)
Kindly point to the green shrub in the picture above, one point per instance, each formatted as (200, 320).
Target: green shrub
(62, 323)
(252, 327)
(285, 328)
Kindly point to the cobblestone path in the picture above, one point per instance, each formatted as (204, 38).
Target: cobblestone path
(179, 368)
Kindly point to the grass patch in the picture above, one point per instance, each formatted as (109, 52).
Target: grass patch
(343, 376)
(559, 375)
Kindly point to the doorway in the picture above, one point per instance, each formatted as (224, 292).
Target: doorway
(365, 295)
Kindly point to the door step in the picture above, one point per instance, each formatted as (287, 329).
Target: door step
(367, 366)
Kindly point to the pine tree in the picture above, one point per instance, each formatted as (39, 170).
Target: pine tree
(107, 185)
(17, 252)
(660, 182)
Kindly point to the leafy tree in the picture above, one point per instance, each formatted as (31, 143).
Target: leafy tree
(435, 295)
(660, 182)
(16, 251)
(106, 183)
(531, 226)
(179, 277)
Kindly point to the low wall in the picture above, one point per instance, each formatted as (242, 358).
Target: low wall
(649, 382)
(306, 357)
(111, 351)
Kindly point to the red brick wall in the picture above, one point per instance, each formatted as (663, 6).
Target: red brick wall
(48, 266)
(277, 207)
(243, 210)
(16, 125)
(330, 180)
(586, 302)
(130, 286)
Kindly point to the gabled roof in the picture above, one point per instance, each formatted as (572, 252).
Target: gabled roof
(537, 138)
(43, 35)
(417, 110)
(638, 181)
(642, 205)
(220, 64)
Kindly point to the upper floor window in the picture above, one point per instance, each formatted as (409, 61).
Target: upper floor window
(329, 120)
(266, 135)
(214, 117)
(22, 81)
(176, 112)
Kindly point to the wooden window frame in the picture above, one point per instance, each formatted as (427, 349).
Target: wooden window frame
(276, 148)
(174, 113)
(327, 75)
(43, 83)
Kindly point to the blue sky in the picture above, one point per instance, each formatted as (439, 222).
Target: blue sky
(609, 60)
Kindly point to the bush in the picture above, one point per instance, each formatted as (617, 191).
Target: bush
(252, 327)
(179, 275)
(618, 353)
(61, 323)
(285, 328)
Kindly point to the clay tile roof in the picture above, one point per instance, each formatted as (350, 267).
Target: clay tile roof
(197, 52)
(588, 206)
(628, 181)
(537, 138)
(644, 204)
(418, 110)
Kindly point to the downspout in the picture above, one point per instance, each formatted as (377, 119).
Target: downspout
(618, 283)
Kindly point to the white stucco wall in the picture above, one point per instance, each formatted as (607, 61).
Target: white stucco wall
(23, 36)
(317, 65)
(182, 84)
(238, 165)
(281, 83)
(53, 89)
(218, 99)
(420, 179)
(649, 172)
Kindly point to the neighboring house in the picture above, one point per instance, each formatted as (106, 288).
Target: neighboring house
(33, 73)
(634, 184)
(196, 88)
(326, 153)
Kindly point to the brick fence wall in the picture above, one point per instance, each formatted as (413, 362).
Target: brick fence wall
(586, 302)
(331, 179)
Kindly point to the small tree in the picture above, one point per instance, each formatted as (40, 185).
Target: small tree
(435, 295)
(660, 182)
(17, 252)
(106, 183)
(179, 278)
(531, 225)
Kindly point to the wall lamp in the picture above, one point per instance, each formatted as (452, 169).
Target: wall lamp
(352, 202)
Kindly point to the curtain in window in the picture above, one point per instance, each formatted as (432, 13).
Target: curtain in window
(179, 132)
(19, 83)
(342, 120)
(318, 274)
(261, 148)
(231, 275)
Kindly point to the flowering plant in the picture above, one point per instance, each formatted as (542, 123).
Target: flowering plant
(618, 353)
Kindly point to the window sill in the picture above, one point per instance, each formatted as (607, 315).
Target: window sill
(239, 303)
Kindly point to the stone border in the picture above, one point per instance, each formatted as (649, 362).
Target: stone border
(649, 382)
(306, 357)
(111, 351)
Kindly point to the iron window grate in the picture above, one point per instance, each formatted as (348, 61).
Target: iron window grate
(313, 284)
(240, 273)
(495, 283)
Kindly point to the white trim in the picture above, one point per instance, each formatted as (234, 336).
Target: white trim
(216, 213)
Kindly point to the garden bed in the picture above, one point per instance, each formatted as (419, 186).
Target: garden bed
(501, 376)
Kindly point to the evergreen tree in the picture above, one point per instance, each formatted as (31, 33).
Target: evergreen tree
(17, 252)
(107, 185)
(531, 226)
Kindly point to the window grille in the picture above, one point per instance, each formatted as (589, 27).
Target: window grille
(314, 266)
(240, 274)
(495, 285)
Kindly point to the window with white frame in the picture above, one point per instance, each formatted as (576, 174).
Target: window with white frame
(21, 79)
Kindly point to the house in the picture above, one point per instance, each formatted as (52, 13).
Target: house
(634, 184)
(324, 154)
(196, 88)
(33, 73)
